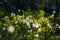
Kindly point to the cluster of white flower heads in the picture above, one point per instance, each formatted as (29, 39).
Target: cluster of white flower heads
(12, 14)
(36, 25)
(29, 21)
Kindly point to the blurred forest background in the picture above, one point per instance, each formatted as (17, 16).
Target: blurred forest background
(14, 5)
(29, 19)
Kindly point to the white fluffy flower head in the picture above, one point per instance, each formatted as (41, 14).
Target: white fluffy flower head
(11, 29)
(58, 27)
(39, 30)
(3, 28)
(54, 11)
(37, 35)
